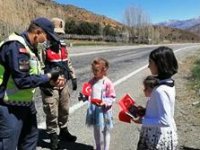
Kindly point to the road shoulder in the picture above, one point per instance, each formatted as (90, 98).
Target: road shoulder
(187, 114)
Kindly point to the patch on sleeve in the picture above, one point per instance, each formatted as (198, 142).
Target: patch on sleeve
(23, 50)
(24, 65)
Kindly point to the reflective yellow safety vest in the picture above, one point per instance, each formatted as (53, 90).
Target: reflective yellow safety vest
(13, 95)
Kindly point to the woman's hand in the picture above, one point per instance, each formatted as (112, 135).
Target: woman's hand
(141, 111)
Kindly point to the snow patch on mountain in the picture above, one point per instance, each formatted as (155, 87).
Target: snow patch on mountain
(181, 24)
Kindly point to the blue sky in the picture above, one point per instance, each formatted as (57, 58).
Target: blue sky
(158, 10)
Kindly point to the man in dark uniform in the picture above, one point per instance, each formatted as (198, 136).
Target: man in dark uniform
(19, 75)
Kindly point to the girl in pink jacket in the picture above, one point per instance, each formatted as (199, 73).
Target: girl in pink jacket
(99, 114)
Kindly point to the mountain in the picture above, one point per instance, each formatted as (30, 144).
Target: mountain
(195, 29)
(16, 15)
(181, 24)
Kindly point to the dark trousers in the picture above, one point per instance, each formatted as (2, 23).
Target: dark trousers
(18, 128)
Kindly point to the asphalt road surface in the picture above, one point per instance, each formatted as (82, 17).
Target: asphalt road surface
(128, 67)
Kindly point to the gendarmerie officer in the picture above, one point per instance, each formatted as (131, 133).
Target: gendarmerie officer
(19, 75)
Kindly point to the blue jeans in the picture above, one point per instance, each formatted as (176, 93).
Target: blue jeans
(18, 128)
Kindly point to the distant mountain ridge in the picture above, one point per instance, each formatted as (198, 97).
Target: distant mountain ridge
(181, 24)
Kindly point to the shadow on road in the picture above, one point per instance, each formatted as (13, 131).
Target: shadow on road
(188, 148)
(43, 138)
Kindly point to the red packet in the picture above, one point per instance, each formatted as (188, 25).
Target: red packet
(125, 102)
(86, 89)
(96, 101)
(124, 117)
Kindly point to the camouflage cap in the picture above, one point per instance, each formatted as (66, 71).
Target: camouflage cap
(59, 25)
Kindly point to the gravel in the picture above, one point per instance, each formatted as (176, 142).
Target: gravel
(187, 114)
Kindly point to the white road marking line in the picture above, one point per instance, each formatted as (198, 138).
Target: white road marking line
(111, 49)
(72, 109)
(120, 48)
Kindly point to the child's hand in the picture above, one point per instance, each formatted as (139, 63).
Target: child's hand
(82, 97)
(102, 104)
(137, 120)
(97, 102)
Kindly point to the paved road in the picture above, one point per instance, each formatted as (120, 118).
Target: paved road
(128, 67)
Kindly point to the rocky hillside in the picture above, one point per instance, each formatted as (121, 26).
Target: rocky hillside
(17, 14)
(176, 35)
(195, 29)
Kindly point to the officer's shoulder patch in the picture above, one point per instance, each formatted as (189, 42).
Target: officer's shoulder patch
(23, 50)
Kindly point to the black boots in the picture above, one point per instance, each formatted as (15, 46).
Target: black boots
(53, 141)
(65, 135)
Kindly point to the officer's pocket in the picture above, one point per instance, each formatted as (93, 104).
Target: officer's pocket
(4, 122)
(3, 144)
(1, 113)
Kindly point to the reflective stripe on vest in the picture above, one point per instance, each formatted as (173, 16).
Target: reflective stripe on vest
(13, 95)
(52, 56)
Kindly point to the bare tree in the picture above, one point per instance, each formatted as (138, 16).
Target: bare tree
(138, 24)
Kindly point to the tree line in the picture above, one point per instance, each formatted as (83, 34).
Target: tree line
(137, 29)
(89, 28)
